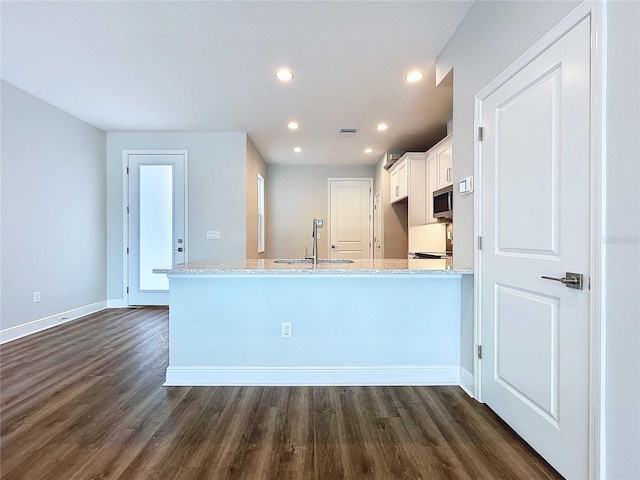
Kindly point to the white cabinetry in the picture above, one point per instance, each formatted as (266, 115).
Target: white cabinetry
(399, 180)
(417, 189)
(445, 164)
(409, 181)
(432, 182)
(439, 171)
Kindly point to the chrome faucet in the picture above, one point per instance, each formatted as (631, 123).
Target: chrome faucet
(314, 234)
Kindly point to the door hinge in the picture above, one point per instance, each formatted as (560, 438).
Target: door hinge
(480, 133)
(479, 243)
(127, 210)
(127, 250)
(127, 170)
(127, 289)
(479, 352)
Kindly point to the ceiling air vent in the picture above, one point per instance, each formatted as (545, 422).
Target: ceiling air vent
(348, 131)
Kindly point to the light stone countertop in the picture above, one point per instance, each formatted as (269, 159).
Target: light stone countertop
(359, 267)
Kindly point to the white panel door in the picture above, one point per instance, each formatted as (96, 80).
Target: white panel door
(156, 224)
(377, 226)
(535, 223)
(350, 218)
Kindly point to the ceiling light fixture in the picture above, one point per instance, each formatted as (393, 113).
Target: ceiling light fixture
(284, 75)
(414, 76)
(293, 125)
(297, 149)
(382, 127)
(368, 150)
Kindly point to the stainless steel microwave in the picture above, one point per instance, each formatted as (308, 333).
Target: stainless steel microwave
(443, 203)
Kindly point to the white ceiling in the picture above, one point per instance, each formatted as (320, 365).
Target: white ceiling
(209, 66)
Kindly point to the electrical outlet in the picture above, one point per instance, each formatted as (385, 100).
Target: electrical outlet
(37, 297)
(213, 235)
(286, 329)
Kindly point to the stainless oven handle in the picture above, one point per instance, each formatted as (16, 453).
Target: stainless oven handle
(450, 200)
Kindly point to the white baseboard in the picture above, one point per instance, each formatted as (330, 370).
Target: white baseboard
(466, 381)
(117, 303)
(19, 331)
(303, 376)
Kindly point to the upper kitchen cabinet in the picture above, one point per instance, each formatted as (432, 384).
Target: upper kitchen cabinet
(443, 154)
(432, 182)
(439, 170)
(417, 188)
(409, 181)
(399, 178)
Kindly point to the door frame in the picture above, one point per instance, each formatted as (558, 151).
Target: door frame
(596, 11)
(332, 179)
(125, 210)
(380, 217)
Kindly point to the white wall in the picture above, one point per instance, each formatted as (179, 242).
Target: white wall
(217, 198)
(622, 242)
(343, 337)
(395, 218)
(489, 39)
(295, 196)
(255, 166)
(53, 210)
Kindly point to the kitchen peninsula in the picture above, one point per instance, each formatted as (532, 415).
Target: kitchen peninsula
(370, 322)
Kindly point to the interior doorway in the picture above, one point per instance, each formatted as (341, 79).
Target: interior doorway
(378, 244)
(350, 218)
(157, 219)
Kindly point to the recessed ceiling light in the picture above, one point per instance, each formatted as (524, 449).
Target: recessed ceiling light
(382, 127)
(293, 125)
(368, 150)
(414, 76)
(284, 75)
(297, 149)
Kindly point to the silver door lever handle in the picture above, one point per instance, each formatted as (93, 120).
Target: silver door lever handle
(571, 280)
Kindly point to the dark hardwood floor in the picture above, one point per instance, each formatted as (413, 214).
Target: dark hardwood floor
(86, 401)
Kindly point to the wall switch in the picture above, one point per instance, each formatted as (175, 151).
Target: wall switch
(37, 297)
(466, 185)
(286, 329)
(213, 235)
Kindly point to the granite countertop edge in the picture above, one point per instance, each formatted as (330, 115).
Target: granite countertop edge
(360, 267)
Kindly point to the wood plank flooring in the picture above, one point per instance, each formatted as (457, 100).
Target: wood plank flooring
(85, 401)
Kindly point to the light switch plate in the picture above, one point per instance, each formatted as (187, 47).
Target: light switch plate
(466, 185)
(213, 235)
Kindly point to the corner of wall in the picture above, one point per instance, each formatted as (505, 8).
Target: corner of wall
(395, 219)
(54, 164)
(254, 165)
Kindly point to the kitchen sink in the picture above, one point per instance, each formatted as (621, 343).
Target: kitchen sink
(294, 261)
